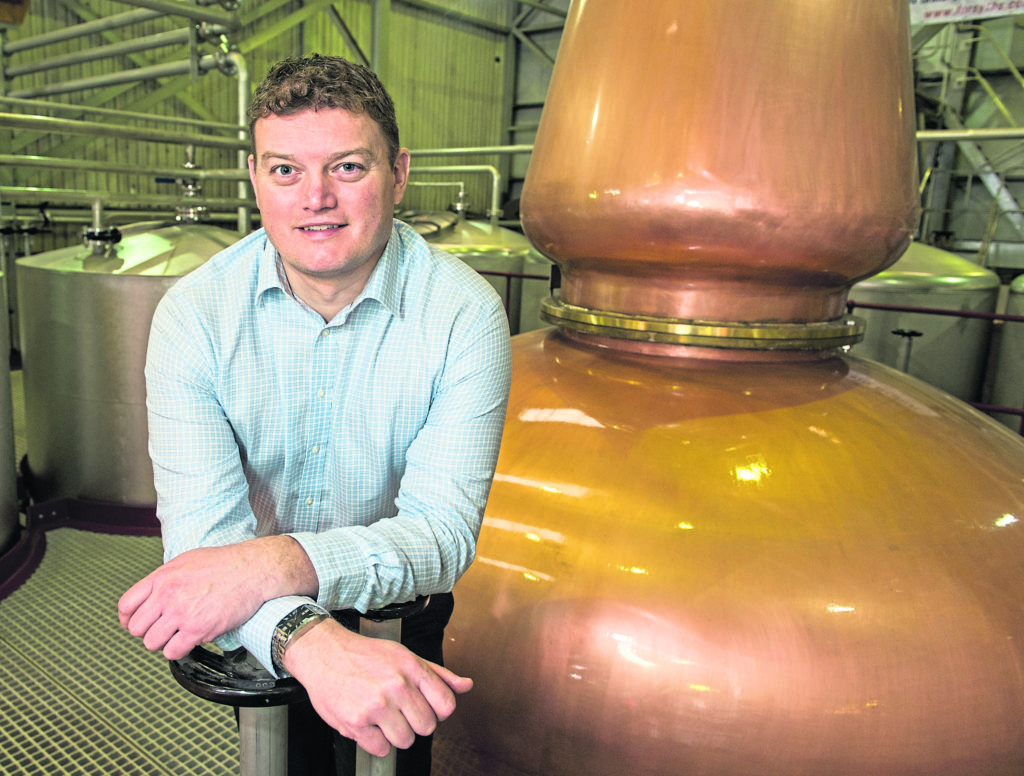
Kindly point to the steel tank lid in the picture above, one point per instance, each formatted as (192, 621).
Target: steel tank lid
(457, 235)
(927, 268)
(152, 248)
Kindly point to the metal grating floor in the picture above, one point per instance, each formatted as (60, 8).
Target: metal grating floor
(78, 695)
(81, 696)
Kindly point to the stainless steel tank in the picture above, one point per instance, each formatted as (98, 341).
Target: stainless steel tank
(1008, 381)
(494, 251)
(85, 319)
(716, 544)
(948, 352)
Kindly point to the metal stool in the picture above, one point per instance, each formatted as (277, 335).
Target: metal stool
(237, 679)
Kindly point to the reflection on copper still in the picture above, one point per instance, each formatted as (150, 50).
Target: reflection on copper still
(715, 543)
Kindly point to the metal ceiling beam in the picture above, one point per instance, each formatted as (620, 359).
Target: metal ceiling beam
(540, 6)
(292, 20)
(348, 37)
(451, 13)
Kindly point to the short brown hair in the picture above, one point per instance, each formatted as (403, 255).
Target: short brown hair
(301, 83)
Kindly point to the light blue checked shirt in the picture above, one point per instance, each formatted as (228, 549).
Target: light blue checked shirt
(372, 439)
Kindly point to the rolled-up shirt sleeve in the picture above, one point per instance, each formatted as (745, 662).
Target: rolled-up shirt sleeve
(431, 540)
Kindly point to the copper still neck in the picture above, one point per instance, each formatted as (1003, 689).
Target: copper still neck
(718, 175)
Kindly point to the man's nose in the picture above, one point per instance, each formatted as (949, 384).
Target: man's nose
(320, 192)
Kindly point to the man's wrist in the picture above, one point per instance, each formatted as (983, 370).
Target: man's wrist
(294, 624)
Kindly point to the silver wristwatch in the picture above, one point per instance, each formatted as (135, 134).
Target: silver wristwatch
(296, 622)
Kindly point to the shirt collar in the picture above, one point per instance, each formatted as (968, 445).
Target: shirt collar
(383, 284)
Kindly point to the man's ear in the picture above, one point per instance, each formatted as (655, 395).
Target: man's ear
(401, 171)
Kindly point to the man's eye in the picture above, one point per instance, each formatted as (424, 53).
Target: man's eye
(282, 169)
(350, 167)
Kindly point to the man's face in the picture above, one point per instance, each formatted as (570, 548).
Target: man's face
(326, 194)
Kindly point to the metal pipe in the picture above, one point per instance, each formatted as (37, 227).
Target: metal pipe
(241, 69)
(851, 306)
(130, 46)
(87, 165)
(121, 216)
(495, 209)
(42, 105)
(84, 197)
(80, 30)
(1000, 133)
(200, 14)
(73, 127)
(510, 149)
(380, 37)
(185, 67)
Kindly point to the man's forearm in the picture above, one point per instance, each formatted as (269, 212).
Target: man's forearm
(285, 567)
(206, 592)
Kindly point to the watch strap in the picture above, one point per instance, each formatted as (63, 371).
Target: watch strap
(293, 624)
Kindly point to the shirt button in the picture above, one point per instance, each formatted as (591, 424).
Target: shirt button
(316, 448)
(325, 332)
(321, 393)
(309, 501)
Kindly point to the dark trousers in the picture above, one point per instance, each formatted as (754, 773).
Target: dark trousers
(316, 749)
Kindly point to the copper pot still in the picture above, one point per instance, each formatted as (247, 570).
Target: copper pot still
(717, 544)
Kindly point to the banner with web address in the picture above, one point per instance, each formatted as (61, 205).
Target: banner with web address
(938, 11)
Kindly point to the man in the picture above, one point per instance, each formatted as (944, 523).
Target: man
(326, 399)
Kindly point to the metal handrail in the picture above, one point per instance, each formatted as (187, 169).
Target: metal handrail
(852, 305)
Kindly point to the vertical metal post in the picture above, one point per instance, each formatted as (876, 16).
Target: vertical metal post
(366, 763)
(510, 81)
(244, 96)
(263, 741)
(380, 39)
(7, 268)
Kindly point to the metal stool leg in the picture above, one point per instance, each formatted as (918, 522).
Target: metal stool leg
(237, 679)
(384, 623)
(263, 741)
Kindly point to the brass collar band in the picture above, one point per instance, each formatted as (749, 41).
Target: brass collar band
(821, 335)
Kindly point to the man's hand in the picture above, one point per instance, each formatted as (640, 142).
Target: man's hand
(205, 592)
(374, 691)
